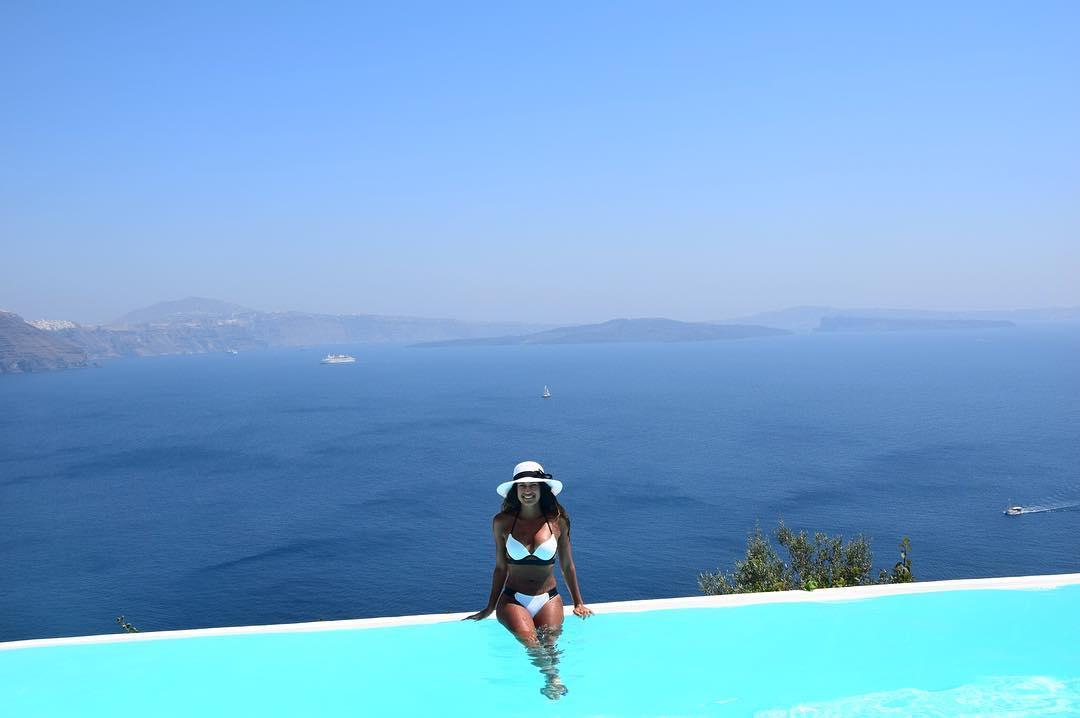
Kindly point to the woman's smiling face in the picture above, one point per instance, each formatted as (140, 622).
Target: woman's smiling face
(528, 493)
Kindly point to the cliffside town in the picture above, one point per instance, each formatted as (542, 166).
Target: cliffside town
(198, 326)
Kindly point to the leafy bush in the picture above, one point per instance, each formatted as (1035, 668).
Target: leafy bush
(125, 626)
(822, 562)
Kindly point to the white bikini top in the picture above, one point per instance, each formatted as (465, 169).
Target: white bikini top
(542, 554)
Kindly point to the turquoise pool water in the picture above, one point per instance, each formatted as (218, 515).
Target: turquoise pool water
(952, 653)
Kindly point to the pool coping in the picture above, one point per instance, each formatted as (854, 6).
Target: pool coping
(823, 595)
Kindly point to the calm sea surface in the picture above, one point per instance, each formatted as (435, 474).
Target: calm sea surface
(263, 488)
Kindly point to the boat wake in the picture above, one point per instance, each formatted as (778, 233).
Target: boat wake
(1043, 508)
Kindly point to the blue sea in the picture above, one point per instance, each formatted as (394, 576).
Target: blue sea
(212, 490)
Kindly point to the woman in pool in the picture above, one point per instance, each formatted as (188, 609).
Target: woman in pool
(530, 531)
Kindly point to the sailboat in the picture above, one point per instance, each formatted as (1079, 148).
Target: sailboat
(547, 392)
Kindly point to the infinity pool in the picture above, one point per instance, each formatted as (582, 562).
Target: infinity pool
(969, 648)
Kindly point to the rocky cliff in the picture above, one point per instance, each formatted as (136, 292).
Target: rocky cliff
(199, 326)
(25, 348)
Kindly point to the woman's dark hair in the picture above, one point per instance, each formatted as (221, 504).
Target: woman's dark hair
(549, 505)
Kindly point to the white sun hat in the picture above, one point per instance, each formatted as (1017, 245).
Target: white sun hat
(528, 472)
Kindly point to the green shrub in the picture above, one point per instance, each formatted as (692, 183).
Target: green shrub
(822, 562)
(125, 626)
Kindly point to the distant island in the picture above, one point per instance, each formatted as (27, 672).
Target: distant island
(889, 324)
(624, 330)
(808, 318)
(198, 325)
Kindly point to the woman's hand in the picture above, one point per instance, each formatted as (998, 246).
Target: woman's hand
(582, 611)
(479, 616)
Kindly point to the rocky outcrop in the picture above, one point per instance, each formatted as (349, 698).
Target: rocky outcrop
(25, 348)
(158, 339)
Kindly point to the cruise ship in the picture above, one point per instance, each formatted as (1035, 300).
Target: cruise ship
(338, 359)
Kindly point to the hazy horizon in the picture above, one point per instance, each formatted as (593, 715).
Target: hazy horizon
(557, 322)
(543, 164)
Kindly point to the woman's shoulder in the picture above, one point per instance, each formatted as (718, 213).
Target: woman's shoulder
(503, 517)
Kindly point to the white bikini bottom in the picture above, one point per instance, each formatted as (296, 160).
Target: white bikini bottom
(532, 604)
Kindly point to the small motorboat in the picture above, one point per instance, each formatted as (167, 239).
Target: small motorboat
(1013, 510)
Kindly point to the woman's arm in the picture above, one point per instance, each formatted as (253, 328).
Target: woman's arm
(569, 571)
(498, 576)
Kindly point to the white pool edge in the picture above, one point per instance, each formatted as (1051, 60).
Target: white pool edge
(854, 593)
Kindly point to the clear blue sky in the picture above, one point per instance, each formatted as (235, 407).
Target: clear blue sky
(539, 161)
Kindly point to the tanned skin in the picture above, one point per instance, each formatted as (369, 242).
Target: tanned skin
(538, 632)
(531, 529)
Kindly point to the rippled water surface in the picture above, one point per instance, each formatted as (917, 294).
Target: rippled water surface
(262, 488)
